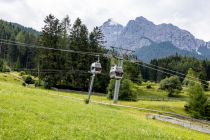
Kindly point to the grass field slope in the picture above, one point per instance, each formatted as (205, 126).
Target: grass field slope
(30, 113)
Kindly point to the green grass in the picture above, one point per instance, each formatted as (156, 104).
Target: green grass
(29, 113)
(156, 94)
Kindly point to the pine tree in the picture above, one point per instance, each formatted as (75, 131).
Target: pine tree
(198, 102)
(51, 59)
(96, 40)
(189, 77)
(79, 42)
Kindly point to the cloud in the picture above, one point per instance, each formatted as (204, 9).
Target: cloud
(192, 15)
(8, 1)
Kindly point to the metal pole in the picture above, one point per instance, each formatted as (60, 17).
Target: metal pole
(116, 91)
(117, 84)
(91, 86)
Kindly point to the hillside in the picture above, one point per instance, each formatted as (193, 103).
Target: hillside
(158, 50)
(29, 113)
(9, 30)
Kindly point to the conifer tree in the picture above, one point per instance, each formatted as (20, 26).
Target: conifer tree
(51, 59)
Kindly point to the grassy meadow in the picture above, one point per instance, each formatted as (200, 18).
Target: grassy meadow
(30, 113)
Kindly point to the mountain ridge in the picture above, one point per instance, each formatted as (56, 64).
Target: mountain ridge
(141, 32)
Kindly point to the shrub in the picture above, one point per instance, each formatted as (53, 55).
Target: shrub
(171, 84)
(125, 93)
(22, 73)
(86, 101)
(24, 84)
(39, 83)
(48, 82)
(149, 86)
(28, 79)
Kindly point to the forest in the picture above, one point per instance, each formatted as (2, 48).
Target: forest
(69, 70)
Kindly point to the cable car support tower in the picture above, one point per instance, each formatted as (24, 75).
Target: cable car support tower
(94, 69)
(116, 72)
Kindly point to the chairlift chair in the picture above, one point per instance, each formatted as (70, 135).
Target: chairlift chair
(116, 72)
(96, 68)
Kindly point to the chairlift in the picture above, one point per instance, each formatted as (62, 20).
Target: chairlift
(116, 72)
(96, 68)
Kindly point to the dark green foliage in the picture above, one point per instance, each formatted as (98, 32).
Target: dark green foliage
(48, 82)
(17, 56)
(60, 35)
(172, 85)
(198, 104)
(126, 92)
(191, 76)
(22, 73)
(179, 64)
(148, 86)
(28, 79)
(51, 59)
(132, 72)
(38, 83)
(1, 64)
(87, 101)
(24, 84)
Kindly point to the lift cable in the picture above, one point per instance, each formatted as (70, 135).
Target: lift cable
(174, 71)
(10, 42)
(139, 63)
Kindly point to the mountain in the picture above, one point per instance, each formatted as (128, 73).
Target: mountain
(9, 30)
(141, 33)
(26, 29)
(163, 49)
(112, 31)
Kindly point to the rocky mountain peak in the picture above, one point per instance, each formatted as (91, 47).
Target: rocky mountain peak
(141, 33)
(111, 22)
(143, 20)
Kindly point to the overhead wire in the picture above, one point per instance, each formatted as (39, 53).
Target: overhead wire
(10, 42)
(139, 63)
(174, 72)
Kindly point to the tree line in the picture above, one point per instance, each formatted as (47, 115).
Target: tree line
(177, 63)
(64, 70)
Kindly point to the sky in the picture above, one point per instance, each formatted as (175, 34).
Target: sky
(191, 15)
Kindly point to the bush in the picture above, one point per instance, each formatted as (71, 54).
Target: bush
(148, 86)
(24, 84)
(28, 79)
(172, 85)
(48, 82)
(125, 93)
(22, 73)
(38, 83)
(86, 101)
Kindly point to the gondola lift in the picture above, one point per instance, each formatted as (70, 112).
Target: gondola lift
(116, 72)
(96, 68)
